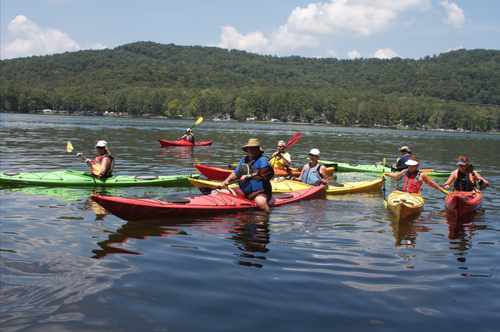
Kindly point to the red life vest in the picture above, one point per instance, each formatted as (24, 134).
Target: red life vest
(98, 161)
(412, 182)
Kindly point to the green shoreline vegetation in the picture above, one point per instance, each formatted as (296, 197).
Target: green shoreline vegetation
(455, 90)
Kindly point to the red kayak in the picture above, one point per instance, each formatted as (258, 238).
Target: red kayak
(135, 209)
(219, 173)
(463, 202)
(182, 143)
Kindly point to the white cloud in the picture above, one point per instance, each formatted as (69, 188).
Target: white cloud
(353, 54)
(97, 46)
(331, 53)
(385, 53)
(319, 23)
(35, 40)
(456, 16)
(252, 42)
(456, 48)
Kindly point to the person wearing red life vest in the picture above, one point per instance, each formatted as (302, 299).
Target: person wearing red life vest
(104, 159)
(413, 178)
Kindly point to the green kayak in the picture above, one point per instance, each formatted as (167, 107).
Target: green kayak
(375, 168)
(76, 178)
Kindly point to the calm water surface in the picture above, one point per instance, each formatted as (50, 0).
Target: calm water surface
(335, 263)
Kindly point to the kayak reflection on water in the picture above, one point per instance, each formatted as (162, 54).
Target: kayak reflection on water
(250, 236)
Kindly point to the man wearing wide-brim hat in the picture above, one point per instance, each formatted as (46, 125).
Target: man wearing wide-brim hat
(252, 185)
(401, 162)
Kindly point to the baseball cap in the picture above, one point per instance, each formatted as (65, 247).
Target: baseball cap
(101, 144)
(314, 152)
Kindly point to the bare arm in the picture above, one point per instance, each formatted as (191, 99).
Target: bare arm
(324, 174)
(431, 183)
(395, 175)
(451, 179)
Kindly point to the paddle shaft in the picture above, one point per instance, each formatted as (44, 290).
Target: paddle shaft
(197, 122)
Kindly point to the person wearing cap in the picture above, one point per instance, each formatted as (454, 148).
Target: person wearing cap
(401, 162)
(104, 159)
(314, 173)
(413, 177)
(188, 136)
(256, 189)
(280, 158)
(464, 180)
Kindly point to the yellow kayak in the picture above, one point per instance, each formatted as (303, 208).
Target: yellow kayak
(284, 186)
(405, 205)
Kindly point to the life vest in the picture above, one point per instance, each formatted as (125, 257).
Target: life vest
(311, 175)
(412, 183)
(277, 162)
(247, 167)
(189, 138)
(109, 172)
(464, 182)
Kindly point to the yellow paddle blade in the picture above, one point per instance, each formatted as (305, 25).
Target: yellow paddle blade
(446, 192)
(385, 204)
(383, 162)
(97, 169)
(69, 147)
(199, 120)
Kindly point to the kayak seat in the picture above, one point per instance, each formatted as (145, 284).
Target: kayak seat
(146, 177)
(282, 196)
(176, 200)
(10, 173)
(335, 184)
(353, 164)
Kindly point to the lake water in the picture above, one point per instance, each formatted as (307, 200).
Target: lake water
(334, 263)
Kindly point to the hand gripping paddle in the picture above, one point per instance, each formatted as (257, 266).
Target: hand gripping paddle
(97, 168)
(266, 173)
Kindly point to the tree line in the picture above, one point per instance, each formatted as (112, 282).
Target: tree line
(167, 80)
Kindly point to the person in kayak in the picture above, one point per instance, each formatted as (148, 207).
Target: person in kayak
(464, 180)
(104, 159)
(314, 173)
(413, 178)
(280, 158)
(256, 189)
(401, 162)
(188, 136)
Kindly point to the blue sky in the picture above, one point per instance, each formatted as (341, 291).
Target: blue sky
(343, 29)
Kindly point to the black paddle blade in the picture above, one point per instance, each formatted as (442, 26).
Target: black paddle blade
(208, 190)
(469, 169)
(267, 172)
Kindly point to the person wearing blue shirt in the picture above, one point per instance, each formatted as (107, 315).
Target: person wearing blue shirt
(401, 162)
(314, 173)
(256, 189)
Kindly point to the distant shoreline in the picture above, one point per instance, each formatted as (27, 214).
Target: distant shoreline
(266, 122)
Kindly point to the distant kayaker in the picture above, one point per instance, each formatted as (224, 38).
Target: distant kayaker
(401, 162)
(280, 158)
(413, 177)
(463, 178)
(188, 136)
(256, 189)
(104, 159)
(314, 173)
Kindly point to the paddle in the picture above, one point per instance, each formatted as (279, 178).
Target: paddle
(97, 168)
(197, 122)
(383, 182)
(266, 173)
(291, 142)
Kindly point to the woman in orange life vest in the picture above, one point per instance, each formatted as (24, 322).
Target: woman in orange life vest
(104, 159)
(413, 177)
(463, 180)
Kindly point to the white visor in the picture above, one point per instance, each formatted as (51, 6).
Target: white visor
(411, 163)
(462, 163)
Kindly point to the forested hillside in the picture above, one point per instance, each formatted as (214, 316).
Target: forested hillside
(155, 79)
